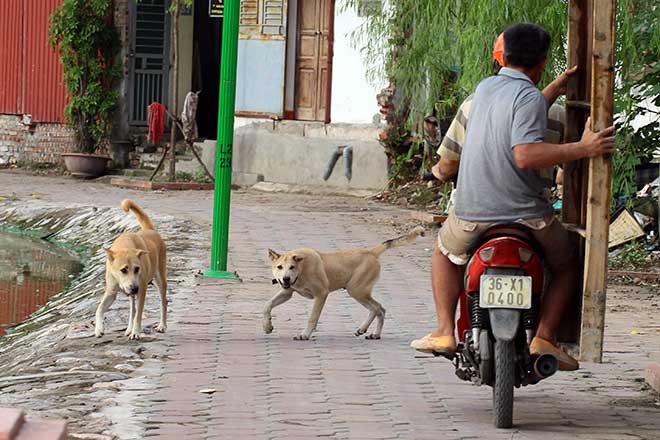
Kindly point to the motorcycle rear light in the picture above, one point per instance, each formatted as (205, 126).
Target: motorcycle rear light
(486, 254)
(524, 254)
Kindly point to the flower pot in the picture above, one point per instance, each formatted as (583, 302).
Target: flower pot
(85, 165)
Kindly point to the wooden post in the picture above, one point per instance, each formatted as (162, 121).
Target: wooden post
(175, 86)
(599, 183)
(578, 92)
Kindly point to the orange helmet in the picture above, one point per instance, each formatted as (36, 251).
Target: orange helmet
(498, 50)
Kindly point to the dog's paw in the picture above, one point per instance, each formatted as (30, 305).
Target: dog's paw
(134, 336)
(268, 327)
(98, 332)
(372, 336)
(128, 331)
(360, 332)
(301, 337)
(161, 328)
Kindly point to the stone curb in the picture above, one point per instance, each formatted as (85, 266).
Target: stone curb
(649, 276)
(652, 376)
(146, 185)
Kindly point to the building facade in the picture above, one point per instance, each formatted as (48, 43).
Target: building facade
(295, 64)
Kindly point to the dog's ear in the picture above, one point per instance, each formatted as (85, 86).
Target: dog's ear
(141, 252)
(297, 258)
(273, 255)
(110, 254)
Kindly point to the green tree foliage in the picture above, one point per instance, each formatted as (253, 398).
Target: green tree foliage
(436, 51)
(638, 89)
(88, 45)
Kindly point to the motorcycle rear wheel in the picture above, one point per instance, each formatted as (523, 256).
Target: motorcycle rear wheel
(505, 355)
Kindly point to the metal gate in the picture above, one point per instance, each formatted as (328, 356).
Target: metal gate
(149, 66)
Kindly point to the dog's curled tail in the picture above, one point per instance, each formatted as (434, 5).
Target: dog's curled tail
(142, 217)
(399, 241)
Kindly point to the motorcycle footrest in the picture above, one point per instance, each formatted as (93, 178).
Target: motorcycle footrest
(450, 356)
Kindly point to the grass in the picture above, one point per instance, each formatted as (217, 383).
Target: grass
(184, 176)
(632, 255)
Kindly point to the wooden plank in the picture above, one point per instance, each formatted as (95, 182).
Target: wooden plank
(599, 181)
(578, 229)
(577, 90)
(575, 183)
(584, 105)
(428, 217)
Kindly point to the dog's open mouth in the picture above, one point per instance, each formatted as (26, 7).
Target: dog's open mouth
(284, 284)
(128, 293)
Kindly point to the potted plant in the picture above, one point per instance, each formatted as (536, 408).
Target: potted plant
(88, 44)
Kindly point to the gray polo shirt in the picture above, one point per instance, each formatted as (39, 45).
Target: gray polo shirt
(507, 110)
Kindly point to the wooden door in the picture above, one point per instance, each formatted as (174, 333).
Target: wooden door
(314, 60)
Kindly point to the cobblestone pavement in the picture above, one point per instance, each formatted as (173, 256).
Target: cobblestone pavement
(338, 386)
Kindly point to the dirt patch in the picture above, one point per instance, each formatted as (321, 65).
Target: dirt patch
(650, 400)
(427, 196)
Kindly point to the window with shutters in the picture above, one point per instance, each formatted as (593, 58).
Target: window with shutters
(262, 18)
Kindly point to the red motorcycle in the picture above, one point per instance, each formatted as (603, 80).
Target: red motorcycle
(498, 314)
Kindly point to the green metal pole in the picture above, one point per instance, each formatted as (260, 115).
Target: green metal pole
(223, 153)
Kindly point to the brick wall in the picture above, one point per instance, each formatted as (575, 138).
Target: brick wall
(42, 142)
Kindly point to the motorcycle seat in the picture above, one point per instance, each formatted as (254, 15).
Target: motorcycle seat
(507, 229)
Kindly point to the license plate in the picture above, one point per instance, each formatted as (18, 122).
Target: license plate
(505, 291)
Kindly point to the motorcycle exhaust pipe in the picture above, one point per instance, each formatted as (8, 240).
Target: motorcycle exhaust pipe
(544, 366)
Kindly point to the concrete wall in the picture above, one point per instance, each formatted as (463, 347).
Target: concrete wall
(297, 153)
(353, 99)
(185, 59)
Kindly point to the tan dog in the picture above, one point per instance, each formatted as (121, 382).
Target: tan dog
(315, 274)
(134, 260)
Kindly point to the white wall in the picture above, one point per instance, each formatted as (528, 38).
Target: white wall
(184, 60)
(353, 99)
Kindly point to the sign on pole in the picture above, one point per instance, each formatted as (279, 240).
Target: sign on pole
(216, 8)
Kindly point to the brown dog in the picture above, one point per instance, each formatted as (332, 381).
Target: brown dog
(134, 260)
(315, 274)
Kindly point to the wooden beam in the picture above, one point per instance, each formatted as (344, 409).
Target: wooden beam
(575, 173)
(577, 91)
(599, 182)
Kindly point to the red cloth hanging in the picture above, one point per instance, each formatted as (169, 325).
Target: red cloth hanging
(156, 121)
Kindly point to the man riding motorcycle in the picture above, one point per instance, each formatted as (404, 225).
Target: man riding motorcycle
(452, 143)
(499, 181)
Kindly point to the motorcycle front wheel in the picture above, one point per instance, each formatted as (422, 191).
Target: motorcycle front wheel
(505, 355)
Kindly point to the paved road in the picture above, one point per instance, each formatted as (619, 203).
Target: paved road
(337, 386)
